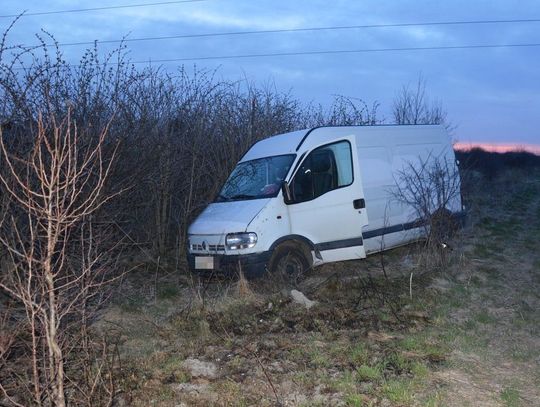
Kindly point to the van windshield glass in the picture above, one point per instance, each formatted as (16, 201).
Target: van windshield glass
(254, 179)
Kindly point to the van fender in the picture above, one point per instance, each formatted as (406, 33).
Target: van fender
(297, 239)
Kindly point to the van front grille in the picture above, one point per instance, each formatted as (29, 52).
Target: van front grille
(216, 247)
(210, 247)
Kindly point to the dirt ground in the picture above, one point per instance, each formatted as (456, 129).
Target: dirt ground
(465, 333)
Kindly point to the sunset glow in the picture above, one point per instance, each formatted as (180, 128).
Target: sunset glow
(498, 147)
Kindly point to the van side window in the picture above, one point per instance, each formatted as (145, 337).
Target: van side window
(324, 169)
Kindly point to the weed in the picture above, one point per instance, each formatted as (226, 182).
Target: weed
(471, 342)
(369, 373)
(510, 397)
(470, 324)
(397, 362)
(410, 343)
(434, 400)
(398, 391)
(319, 359)
(346, 383)
(171, 369)
(481, 250)
(419, 370)
(230, 393)
(237, 363)
(168, 291)
(131, 304)
(356, 400)
(484, 317)
(359, 354)
(491, 271)
(312, 403)
(307, 378)
(523, 354)
(163, 394)
(457, 296)
(475, 281)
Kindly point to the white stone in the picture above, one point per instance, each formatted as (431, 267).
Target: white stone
(301, 299)
(199, 368)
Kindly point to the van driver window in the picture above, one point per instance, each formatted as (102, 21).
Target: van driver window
(324, 169)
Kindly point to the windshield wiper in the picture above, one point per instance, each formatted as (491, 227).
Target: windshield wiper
(222, 198)
(242, 196)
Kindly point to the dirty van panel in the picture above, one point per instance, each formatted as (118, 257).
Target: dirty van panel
(325, 189)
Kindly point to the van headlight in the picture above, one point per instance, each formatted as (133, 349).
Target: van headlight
(235, 241)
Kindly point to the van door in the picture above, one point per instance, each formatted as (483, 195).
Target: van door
(328, 201)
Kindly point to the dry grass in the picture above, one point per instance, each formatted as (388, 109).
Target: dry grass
(469, 336)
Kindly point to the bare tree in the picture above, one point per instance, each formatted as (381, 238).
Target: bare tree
(58, 263)
(412, 106)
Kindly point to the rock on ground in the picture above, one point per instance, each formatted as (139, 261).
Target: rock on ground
(301, 299)
(199, 368)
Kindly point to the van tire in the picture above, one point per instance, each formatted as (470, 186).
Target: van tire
(289, 261)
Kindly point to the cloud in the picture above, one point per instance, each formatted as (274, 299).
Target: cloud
(217, 18)
(423, 34)
(261, 22)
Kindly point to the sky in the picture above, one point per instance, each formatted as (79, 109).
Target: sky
(491, 95)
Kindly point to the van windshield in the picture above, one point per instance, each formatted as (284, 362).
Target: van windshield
(254, 179)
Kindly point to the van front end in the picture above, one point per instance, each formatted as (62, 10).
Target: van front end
(227, 254)
(236, 231)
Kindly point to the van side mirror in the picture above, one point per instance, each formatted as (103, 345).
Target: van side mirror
(286, 191)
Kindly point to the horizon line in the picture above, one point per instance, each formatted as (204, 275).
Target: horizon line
(503, 147)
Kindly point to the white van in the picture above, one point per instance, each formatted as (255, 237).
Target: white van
(305, 198)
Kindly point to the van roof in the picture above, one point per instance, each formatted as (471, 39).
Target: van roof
(292, 142)
(280, 144)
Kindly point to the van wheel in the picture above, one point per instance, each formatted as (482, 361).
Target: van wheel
(289, 262)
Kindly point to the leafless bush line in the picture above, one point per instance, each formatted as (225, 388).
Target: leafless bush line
(179, 134)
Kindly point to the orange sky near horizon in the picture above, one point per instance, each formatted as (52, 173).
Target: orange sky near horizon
(499, 147)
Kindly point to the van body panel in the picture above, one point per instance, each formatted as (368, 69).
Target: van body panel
(389, 237)
(270, 224)
(346, 253)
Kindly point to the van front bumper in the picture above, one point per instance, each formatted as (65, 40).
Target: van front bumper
(252, 265)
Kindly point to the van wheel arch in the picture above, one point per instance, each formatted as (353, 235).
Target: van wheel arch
(293, 240)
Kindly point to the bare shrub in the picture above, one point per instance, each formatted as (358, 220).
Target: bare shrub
(59, 258)
(431, 188)
(344, 111)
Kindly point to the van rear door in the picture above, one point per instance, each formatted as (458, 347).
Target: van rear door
(328, 201)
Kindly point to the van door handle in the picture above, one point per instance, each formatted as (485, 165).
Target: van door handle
(359, 203)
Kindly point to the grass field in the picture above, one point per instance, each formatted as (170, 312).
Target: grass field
(466, 334)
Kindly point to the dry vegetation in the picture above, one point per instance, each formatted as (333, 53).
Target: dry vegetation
(104, 166)
(468, 335)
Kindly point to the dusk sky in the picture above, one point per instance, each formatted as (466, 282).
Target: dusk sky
(490, 94)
